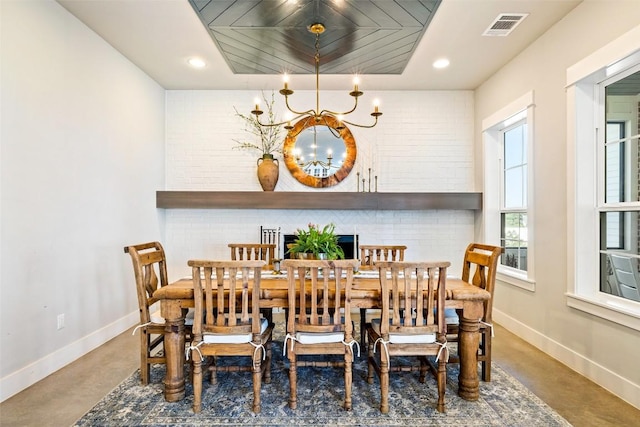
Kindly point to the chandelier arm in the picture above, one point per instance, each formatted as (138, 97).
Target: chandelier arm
(269, 125)
(362, 126)
(299, 113)
(334, 132)
(284, 122)
(293, 134)
(344, 113)
(323, 165)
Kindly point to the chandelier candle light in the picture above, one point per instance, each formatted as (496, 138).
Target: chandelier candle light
(318, 114)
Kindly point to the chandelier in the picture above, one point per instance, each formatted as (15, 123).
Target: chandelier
(317, 114)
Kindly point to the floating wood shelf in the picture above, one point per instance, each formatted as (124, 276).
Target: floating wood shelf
(316, 200)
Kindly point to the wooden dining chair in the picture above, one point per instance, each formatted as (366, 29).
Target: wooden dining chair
(269, 235)
(150, 271)
(369, 255)
(319, 318)
(228, 323)
(254, 251)
(479, 269)
(412, 323)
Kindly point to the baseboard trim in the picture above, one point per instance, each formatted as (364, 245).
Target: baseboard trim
(36, 371)
(616, 384)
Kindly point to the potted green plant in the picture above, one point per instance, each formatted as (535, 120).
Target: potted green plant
(321, 243)
(269, 143)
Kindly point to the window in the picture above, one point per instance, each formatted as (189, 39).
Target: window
(508, 217)
(513, 215)
(603, 153)
(620, 182)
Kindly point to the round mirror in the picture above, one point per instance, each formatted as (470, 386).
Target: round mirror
(318, 152)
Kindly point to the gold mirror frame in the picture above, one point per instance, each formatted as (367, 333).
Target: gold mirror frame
(295, 169)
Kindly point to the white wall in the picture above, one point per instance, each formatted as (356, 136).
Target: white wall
(422, 143)
(82, 155)
(599, 349)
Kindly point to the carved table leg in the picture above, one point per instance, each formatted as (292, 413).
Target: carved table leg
(174, 350)
(468, 381)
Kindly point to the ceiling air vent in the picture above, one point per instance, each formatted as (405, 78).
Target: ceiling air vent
(504, 24)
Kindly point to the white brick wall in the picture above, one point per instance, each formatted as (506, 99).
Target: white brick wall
(423, 143)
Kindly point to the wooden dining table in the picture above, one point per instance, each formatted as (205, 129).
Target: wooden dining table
(462, 296)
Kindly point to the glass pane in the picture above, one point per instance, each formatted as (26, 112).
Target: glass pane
(632, 170)
(615, 131)
(514, 194)
(622, 156)
(622, 171)
(620, 274)
(614, 189)
(514, 240)
(619, 231)
(514, 147)
(614, 230)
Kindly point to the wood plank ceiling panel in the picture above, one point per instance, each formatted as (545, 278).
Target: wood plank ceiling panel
(271, 36)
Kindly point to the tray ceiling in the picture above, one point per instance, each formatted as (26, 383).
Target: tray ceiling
(160, 37)
(272, 36)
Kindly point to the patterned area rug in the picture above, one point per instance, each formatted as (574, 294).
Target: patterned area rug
(503, 402)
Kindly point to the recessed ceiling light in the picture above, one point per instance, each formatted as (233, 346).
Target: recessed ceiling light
(441, 63)
(196, 62)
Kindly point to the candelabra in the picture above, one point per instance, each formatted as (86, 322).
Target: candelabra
(364, 181)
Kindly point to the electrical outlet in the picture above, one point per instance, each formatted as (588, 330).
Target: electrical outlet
(60, 321)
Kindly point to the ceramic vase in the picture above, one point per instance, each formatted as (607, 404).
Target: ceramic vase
(268, 171)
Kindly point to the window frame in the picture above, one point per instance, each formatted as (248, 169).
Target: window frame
(585, 153)
(492, 127)
(622, 153)
(523, 209)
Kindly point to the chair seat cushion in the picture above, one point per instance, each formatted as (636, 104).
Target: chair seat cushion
(188, 319)
(451, 316)
(319, 337)
(208, 338)
(157, 318)
(396, 338)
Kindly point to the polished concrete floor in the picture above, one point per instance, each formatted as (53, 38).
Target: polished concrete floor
(66, 395)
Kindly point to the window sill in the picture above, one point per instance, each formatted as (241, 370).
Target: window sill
(612, 308)
(517, 280)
